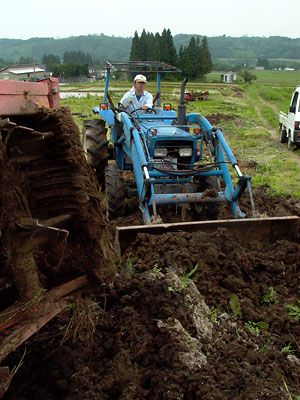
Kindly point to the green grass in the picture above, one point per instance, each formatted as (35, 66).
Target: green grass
(278, 78)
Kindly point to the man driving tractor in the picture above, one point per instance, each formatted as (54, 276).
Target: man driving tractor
(137, 98)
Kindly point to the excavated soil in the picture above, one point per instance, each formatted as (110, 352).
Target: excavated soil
(189, 316)
(229, 332)
(50, 206)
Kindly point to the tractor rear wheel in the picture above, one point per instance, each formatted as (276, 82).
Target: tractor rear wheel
(95, 145)
(283, 136)
(208, 210)
(115, 191)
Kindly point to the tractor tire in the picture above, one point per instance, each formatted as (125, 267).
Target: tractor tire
(115, 192)
(208, 211)
(95, 145)
(283, 136)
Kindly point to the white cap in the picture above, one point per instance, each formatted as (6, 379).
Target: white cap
(140, 78)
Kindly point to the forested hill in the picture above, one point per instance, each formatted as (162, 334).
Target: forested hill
(102, 47)
(248, 47)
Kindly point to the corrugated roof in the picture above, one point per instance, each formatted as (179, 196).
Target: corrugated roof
(27, 70)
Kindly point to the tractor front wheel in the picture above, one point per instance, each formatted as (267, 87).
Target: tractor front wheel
(115, 191)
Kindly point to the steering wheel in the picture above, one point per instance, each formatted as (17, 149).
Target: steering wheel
(135, 110)
(148, 110)
(151, 110)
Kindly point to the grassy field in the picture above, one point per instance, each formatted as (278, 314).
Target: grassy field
(249, 120)
(278, 78)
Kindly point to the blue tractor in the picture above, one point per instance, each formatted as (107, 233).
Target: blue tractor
(176, 158)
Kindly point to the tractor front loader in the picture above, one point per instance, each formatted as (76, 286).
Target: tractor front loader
(176, 158)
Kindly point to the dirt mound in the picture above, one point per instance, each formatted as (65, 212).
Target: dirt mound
(51, 219)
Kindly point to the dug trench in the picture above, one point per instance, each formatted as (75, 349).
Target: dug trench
(187, 315)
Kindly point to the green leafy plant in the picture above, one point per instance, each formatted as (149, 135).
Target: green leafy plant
(126, 267)
(270, 297)
(70, 306)
(213, 315)
(156, 269)
(235, 305)
(184, 281)
(287, 349)
(294, 310)
(256, 327)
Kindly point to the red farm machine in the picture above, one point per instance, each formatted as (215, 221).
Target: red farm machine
(192, 96)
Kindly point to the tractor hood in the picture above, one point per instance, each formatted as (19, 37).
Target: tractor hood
(167, 131)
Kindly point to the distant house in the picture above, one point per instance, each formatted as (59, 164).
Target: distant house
(23, 72)
(259, 68)
(289, 69)
(228, 77)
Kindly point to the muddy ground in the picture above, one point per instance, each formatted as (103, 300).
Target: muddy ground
(188, 316)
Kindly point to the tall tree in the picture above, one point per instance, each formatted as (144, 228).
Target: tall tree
(263, 62)
(205, 59)
(144, 45)
(156, 47)
(195, 59)
(191, 66)
(26, 60)
(182, 59)
(168, 50)
(135, 52)
(50, 60)
(77, 57)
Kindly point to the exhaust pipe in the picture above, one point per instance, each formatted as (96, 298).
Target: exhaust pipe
(181, 119)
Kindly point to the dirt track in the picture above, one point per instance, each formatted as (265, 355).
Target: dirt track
(155, 334)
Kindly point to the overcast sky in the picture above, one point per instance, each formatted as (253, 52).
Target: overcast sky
(23, 19)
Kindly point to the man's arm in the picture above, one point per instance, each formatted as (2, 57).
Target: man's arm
(127, 99)
(148, 101)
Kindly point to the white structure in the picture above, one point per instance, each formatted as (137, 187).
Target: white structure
(23, 72)
(228, 77)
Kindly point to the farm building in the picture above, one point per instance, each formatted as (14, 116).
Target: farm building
(23, 72)
(228, 77)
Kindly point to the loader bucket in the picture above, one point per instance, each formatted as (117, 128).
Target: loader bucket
(264, 229)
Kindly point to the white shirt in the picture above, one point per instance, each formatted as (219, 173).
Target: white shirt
(130, 102)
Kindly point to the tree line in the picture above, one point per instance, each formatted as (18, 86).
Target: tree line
(226, 52)
(194, 59)
(75, 63)
(191, 53)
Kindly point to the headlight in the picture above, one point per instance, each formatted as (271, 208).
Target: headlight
(160, 152)
(185, 152)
